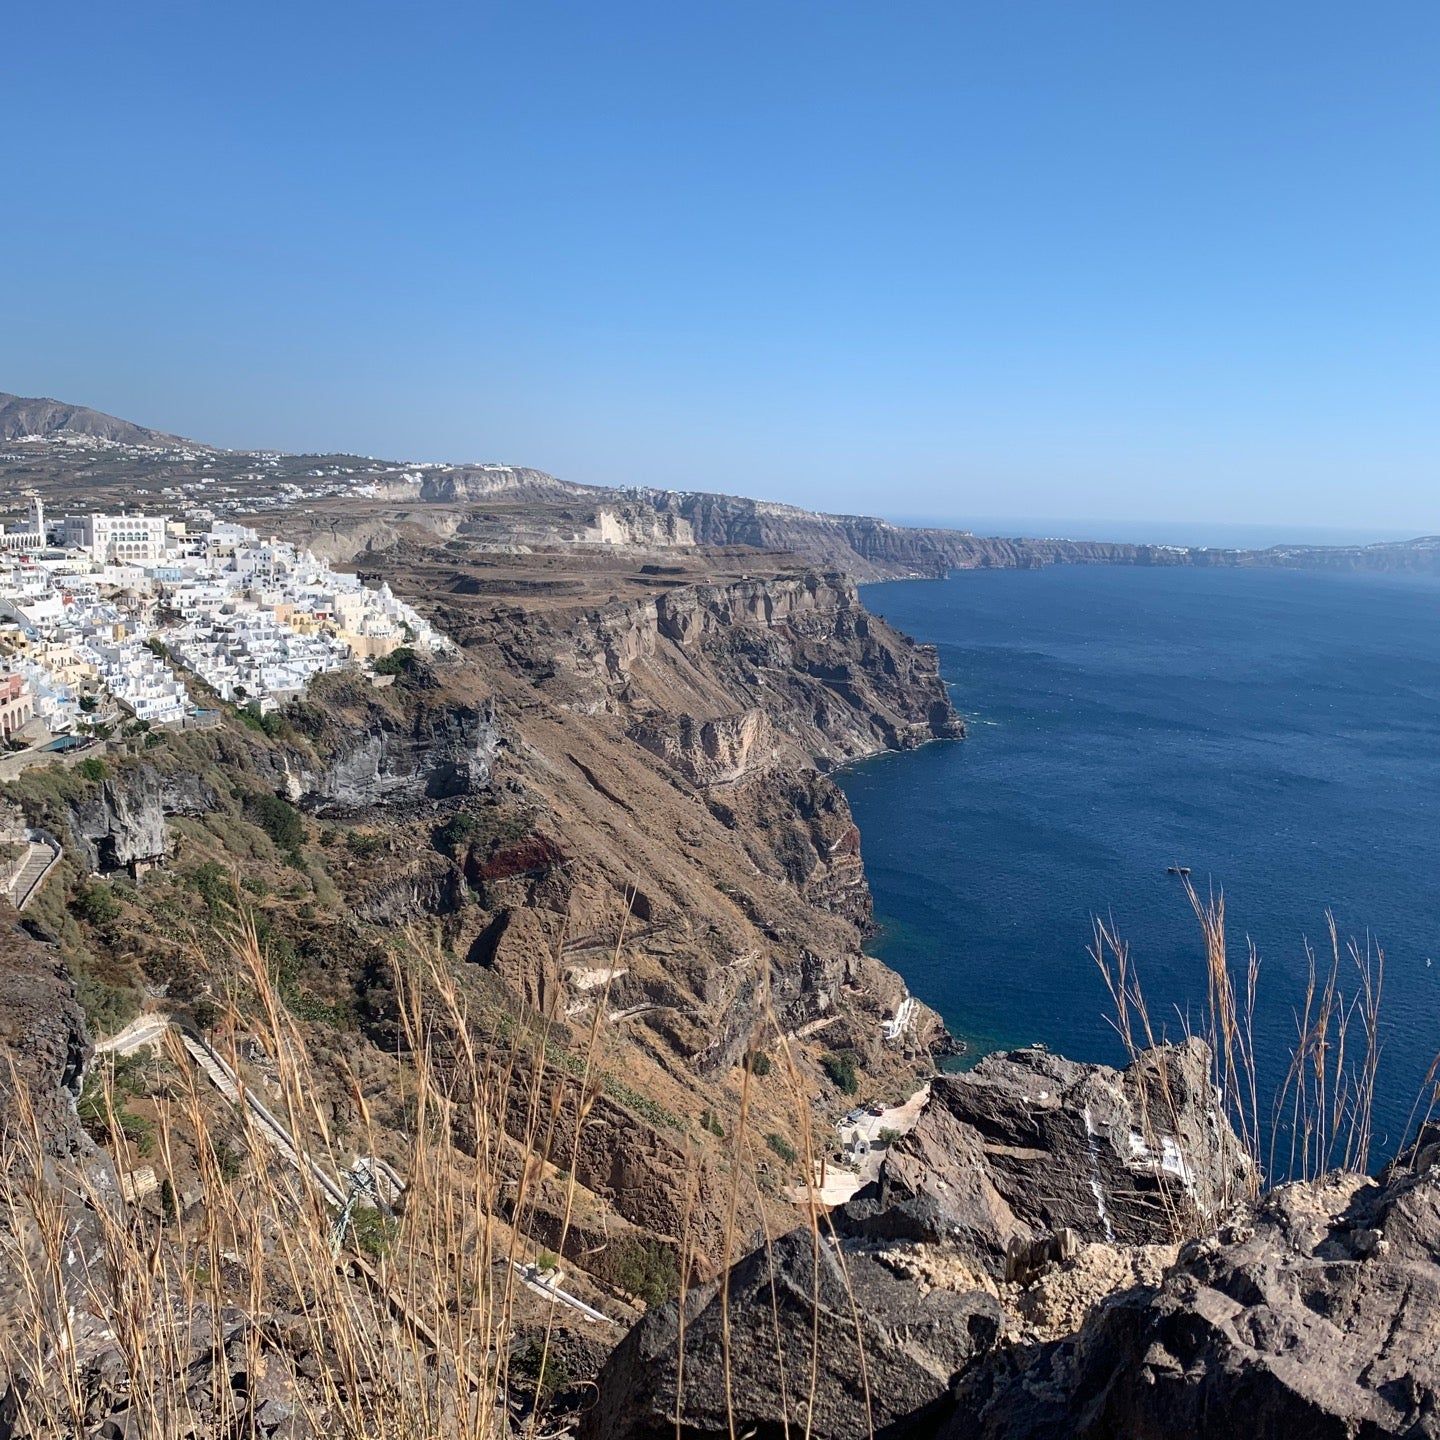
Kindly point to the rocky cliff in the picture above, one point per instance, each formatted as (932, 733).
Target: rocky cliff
(1041, 1260)
(866, 548)
(1026, 1158)
(1315, 1312)
(122, 821)
(432, 752)
(833, 680)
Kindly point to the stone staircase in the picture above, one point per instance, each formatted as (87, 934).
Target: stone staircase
(32, 874)
(219, 1073)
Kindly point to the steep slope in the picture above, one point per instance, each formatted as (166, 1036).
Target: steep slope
(22, 417)
(867, 548)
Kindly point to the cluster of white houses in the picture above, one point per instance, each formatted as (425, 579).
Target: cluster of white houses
(98, 612)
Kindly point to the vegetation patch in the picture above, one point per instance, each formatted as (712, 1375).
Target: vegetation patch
(840, 1071)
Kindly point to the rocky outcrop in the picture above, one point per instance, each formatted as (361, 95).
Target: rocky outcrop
(1029, 1144)
(637, 526)
(1011, 1168)
(865, 548)
(1316, 1314)
(122, 821)
(44, 1044)
(433, 753)
(483, 482)
(718, 751)
(834, 678)
(880, 1360)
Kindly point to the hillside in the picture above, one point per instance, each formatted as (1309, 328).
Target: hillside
(23, 417)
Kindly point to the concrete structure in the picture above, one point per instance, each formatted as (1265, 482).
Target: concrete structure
(123, 539)
(17, 704)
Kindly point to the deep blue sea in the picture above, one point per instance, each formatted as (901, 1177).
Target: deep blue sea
(1277, 731)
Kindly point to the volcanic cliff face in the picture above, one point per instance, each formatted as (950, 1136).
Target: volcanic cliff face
(614, 801)
(1027, 1157)
(431, 752)
(866, 548)
(122, 821)
(800, 650)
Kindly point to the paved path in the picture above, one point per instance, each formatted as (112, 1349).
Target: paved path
(841, 1183)
(383, 1180)
(36, 870)
(142, 1031)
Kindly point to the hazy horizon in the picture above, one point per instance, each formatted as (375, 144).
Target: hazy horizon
(1119, 261)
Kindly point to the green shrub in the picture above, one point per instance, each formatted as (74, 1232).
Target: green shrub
(228, 1161)
(710, 1121)
(397, 662)
(99, 1114)
(371, 1232)
(215, 886)
(206, 1014)
(92, 768)
(107, 1007)
(642, 1266)
(272, 723)
(278, 818)
(542, 1373)
(364, 844)
(758, 1063)
(840, 1070)
(457, 832)
(783, 1148)
(887, 1137)
(96, 905)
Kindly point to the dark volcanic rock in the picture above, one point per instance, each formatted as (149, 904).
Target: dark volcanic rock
(43, 1041)
(912, 1345)
(1319, 1317)
(1030, 1143)
(1028, 1153)
(439, 753)
(123, 820)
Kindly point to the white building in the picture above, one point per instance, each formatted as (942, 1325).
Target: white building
(119, 539)
(29, 534)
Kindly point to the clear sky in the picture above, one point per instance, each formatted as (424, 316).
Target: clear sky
(1024, 258)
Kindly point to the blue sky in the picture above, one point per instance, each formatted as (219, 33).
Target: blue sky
(1112, 261)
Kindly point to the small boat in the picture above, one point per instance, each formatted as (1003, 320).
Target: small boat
(1177, 869)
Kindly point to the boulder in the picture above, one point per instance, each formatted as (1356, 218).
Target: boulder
(1317, 1315)
(1020, 1161)
(1029, 1144)
(800, 1309)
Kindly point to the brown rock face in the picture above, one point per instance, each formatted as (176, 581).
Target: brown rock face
(1029, 1144)
(719, 751)
(1028, 1152)
(42, 1034)
(881, 1366)
(1319, 1316)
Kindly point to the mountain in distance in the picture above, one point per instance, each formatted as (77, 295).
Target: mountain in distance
(24, 417)
(520, 506)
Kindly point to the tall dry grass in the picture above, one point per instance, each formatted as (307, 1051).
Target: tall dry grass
(375, 1321)
(1319, 1114)
(397, 1326)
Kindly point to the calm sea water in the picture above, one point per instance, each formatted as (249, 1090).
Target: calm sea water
(1277, 731)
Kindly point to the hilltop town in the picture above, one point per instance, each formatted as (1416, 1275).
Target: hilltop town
(132, 620)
